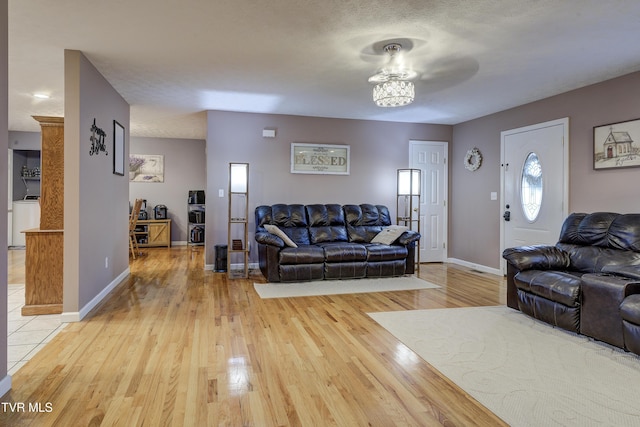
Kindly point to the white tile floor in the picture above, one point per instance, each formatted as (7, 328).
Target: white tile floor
(27, 334)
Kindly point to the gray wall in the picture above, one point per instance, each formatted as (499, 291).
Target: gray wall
(5, 380)
(26, 151)
(184, 170)
(96, 201)
(476, 237)
(377, 150)
(19, 140)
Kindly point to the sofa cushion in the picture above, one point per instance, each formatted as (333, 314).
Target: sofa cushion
(304, 254)
(386, 268)
(365, 221)
(345, 270)
(632, 271)
(301, 272)
(326, 223)
(292, 219)
(593, 259)
(630, 309)
(273, 229)
(376, 252)
(343, 251)
(551, 312)
(389, 234)
(603, 229)
(555, 286)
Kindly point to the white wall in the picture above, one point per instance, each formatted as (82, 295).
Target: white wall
(96, 201)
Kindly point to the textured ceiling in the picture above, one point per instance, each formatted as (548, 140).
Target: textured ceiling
(174, 59)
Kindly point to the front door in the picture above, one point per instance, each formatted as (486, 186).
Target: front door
(431, 158)
(534, 183)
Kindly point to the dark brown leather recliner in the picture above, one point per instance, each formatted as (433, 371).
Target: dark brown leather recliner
(580, 283)
(333, 242)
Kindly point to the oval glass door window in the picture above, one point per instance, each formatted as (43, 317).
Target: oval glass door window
(531, 187)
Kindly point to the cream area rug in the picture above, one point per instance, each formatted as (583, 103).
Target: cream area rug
(336, 287)
(525, 371)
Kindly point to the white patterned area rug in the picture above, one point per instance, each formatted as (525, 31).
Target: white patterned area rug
(336, 287)
(525, 371)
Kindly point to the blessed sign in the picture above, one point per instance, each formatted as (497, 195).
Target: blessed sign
(320, 159)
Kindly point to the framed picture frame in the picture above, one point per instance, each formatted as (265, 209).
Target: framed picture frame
(146, 167)
(324, 159)
(616, 145)
(118, 148)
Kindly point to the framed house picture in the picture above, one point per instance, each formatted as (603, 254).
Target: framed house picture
(616, 145)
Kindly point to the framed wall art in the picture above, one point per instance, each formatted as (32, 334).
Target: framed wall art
(326, 159)
(146, 168)
(616, 145)
(118, 148)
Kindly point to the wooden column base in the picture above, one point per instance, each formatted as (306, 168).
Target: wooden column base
(34, 310)
(43, 279)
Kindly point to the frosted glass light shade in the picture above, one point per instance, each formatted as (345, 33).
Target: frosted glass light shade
(238, 177)
(408, 182)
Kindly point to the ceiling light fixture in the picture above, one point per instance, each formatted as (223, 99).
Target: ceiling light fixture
(394, 93)
(41, 96)
(393, 88)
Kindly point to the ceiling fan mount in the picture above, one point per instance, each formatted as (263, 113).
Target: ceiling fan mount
(395, 68)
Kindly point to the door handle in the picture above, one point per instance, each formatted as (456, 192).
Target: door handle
(507, 216)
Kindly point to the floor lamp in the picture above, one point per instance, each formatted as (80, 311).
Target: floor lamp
(408, 201)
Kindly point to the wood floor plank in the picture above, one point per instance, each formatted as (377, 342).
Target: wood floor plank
(176, 345)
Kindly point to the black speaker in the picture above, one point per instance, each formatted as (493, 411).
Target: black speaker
(221, 258)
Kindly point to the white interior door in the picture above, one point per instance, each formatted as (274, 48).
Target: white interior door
(534, 183)
(431, 158)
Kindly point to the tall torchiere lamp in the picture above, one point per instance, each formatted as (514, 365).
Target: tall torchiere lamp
(408, 202)
(238, 232)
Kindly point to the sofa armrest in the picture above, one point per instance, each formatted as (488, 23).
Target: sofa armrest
(539, 257)
(269, 239)
(631, 271)
(408, 237)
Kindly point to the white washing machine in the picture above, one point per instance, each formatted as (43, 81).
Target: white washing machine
(26, 215)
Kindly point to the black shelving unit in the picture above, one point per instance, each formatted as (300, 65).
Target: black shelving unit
(196, 217)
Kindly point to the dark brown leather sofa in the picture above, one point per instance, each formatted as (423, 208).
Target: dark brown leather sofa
(333, 242)
(587, 283)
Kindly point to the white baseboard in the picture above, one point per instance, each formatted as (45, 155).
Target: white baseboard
(179, 243)
(68, 317)
(474, 266)
(5, 385)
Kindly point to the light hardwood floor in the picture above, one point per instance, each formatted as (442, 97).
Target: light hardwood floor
(176, 345)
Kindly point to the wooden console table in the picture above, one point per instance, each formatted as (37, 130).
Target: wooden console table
(153, 232)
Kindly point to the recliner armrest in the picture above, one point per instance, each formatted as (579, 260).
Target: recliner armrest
(408, 237)
(269, 239)
(631, 271)
(538, 257)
